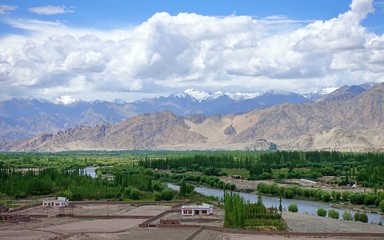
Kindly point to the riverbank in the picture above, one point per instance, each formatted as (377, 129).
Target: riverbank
(247, 186)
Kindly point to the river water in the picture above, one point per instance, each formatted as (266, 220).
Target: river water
(305, 207)
(90, 171)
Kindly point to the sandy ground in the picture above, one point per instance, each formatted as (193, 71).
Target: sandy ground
(148, 210)
(137, 233)
(99, 225)
(309, 223)
(86, 229)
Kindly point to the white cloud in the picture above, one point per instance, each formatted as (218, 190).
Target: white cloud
(172, 53)
(4, 9)
(50, 10)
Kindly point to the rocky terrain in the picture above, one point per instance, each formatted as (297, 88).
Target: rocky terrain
(339, 123)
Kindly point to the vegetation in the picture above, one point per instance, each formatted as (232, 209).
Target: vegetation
(137, 175)
(316, 194)
(321, 212)
(293, 208)
(332, 213)
(361, 217)
(381, 205)
(347, 216)
(239, 214)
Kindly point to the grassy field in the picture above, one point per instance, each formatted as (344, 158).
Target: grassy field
(244, 173)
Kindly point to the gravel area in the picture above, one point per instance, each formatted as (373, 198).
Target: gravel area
(79, 229)
(137, 233)
(309, 223)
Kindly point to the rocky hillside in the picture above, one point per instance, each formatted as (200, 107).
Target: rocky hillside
(340, 123)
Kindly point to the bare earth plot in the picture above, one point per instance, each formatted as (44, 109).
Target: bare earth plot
(138, 234)
(310, 223)
(99, 229)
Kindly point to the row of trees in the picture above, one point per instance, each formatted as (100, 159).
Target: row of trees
(366, 168)
(359, 198)
(241, 214)
(77, 186)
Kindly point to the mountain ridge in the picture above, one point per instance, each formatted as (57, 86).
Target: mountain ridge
(348, 124)
(27, 117)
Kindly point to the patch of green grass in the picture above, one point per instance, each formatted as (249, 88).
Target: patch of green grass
(284, 171)
(244, 173)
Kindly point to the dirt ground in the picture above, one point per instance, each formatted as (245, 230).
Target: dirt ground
(309, 223)
(100, 229)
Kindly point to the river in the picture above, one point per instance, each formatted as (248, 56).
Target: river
(90, 171)
(305, 207)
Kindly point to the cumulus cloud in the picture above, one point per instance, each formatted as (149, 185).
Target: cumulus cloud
(50, 10)
(171, 53)
(4, 9)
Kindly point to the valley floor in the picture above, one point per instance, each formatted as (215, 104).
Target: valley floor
(97, 226)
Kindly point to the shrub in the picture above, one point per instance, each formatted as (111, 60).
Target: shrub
(332, 213)
(347, 216)
(157, 196)
(338, 196)
(381, 205)
(321, 212)
(167, 194)
(369, 199)
(134, 194)
(293, 208)
(361, 217)
(357, 198)
(288, 193)
(326, 197)
(346, 195)
(128, 190)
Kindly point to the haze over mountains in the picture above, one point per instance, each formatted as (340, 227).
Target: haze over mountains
(350, 118)
(24, 118)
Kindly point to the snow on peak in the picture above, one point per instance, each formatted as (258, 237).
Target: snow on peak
(197, 94)
(66, 100)
(215, 95)
(120, 101)
(279, 92)
(240, 96)
(202, 96)
(327, 90)
(179, 95)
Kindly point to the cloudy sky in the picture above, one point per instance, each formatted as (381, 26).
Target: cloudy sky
(133, 49)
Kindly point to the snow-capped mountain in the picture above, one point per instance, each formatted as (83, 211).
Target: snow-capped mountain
(23, 118)
(318, 93)
(198, 95)
(66, 100)
(205, 96)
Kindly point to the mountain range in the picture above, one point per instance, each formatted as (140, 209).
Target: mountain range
(24, 118)
(349, 119)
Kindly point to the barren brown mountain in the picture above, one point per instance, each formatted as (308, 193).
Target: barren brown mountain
(338, 123)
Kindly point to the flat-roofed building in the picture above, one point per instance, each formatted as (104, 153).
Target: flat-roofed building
(191, 210)
(59, 202)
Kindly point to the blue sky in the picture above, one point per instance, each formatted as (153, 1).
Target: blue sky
(133, 49)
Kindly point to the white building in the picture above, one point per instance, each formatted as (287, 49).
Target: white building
(59, 202)
(191, 210)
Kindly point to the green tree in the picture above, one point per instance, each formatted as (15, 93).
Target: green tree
(134, 194)
(167, 194)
